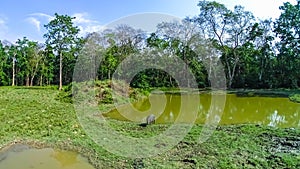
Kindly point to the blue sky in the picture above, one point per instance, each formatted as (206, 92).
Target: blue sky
(20, 18)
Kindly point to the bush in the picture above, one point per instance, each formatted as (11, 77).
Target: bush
(101, 92)
(295, 98)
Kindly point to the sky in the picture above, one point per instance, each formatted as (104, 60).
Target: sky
(20, 18)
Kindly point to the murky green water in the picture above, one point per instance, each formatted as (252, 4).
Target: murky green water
(270, 111)
(43, 159)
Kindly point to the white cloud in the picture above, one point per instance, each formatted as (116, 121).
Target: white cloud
(3, 27)
(82, 20)
(35, 22)
(86, 29)
(85, 24)
(43, 15)
(37, 19)
(2, 22)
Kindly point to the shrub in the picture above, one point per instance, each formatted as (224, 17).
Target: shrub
(295, 98)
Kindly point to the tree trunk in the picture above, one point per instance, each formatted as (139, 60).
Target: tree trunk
(27, 80)
(170, 79)
(13, 75)
(34, 73)
(31, 80)
(108, 74)
(60, 70)
(231, 71)
(41, 80)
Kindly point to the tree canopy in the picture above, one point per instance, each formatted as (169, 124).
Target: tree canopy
(62, 38)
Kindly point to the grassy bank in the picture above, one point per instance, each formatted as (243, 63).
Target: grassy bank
(37, 117)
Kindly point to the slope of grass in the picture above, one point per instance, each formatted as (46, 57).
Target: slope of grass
(36, 117)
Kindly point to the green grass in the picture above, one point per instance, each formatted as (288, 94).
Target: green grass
(36, 117)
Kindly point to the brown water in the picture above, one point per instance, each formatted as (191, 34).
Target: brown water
(43, 159)
(269, 111)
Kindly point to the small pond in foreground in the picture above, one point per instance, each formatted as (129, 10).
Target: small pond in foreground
(270, 111)
(23, 157)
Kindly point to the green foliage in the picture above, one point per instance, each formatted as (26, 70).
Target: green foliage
(231, 32)
(295, 98)
(4, 77)
(62, 38)
(101, 92)
(66, 94)
(29, 58)
(287, 29)
(245, 46)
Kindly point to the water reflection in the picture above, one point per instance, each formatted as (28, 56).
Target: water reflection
(276, 119)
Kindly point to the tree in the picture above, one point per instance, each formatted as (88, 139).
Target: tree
(182, 39)
(228, 30)
(62, 36)
(28, 56)
(287, 28)
(128, 39)
(3, 65)
(12, 54)
(264, 54)
(89, 58)
(36, 57)
(118, 43)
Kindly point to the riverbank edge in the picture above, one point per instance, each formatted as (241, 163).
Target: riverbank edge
(277, 143)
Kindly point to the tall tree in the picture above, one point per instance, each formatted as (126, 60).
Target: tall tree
(182, 39)
(89, 57)
(3, 65)
(119, 42)
(12, 53)
(287, 27)
(229, 30)
(29, 56)
(62, 36)
(35, 59)
(265, 52)
(47, 66)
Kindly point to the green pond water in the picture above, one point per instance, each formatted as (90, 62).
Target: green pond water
(207, 108)
(42, 159)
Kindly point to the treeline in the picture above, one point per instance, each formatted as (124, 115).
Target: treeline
(254, 53)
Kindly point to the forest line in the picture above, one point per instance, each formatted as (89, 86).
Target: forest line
(254, 53)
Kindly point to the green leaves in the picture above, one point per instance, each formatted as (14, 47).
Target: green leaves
(61, 32)
(246, 46)
(287, 29)
(229, 32)
(62, 37)
(3, 65)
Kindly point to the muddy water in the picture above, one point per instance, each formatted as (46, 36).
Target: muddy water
(42, 159)
(270, 111)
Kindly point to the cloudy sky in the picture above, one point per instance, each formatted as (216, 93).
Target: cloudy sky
(20, 18)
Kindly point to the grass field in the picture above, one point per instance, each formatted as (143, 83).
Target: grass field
(34, 116)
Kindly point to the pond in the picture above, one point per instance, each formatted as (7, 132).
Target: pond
(270, 111)
(21, 156)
